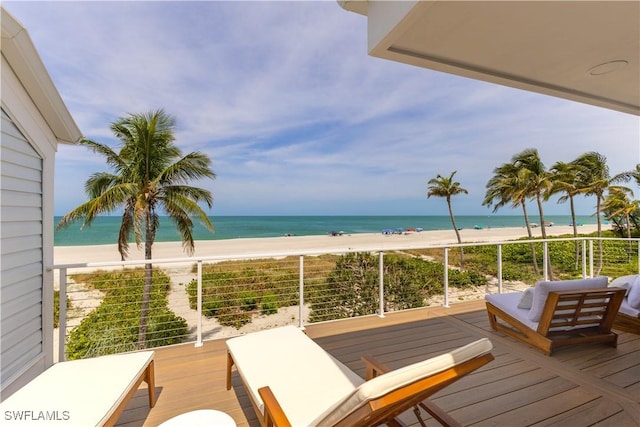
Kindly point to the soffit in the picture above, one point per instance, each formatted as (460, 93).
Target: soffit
(586, 51)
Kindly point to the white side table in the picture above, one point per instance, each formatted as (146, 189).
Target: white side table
(200, 418)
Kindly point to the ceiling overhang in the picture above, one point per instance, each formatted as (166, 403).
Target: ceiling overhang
(21, 55)
(585, 51)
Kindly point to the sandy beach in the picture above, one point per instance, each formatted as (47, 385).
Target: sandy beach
(84, 300)
(294, 245)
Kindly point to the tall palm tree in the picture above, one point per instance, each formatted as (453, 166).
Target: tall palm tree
(538, 185)
(508, 186)
(618, 207)
(564, 177)
(150, 176)
(594, 180)
(441, 186)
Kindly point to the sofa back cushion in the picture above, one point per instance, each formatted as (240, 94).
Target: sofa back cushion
(633, 297)
(624, 282)
(542, 289)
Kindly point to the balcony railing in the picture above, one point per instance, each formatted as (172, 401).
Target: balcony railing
(193, 299)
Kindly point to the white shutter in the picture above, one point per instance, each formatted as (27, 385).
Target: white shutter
(21, 257)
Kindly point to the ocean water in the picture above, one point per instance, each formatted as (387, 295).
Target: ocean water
(104, 230)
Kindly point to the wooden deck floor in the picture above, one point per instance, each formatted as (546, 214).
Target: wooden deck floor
(579, 386)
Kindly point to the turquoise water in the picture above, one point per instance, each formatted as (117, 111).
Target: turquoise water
(104, 230)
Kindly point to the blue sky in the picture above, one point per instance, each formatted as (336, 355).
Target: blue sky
(296, 117)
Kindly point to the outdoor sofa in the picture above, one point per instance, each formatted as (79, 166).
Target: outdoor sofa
(553, 314)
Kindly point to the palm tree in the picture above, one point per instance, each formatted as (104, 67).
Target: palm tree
(564, 177)
(619, 208)
(150, 176)
(538, 184)
(629, 175)
(441, 186)
(508, 186)
(594, 180)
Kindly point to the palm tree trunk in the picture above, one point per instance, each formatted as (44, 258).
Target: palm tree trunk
(544, 234)
(575, 231)
(148, 280)
(530, 234)
(455, 228)
(600, 262)
(630, 247)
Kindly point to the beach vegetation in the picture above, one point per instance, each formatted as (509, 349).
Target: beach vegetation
(149, 176)
(56, 307)
(232, 291)
(113, 326)
(447, 187)
(352, 288)
(269, 304)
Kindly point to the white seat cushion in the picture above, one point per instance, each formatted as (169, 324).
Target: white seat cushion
(509, 304)
(542, 289)
(79, 392)
(625, 308)
(386, 383)
(304, 378)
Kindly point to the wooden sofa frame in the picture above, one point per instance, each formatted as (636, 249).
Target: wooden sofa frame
(626, 323)
(570, 311)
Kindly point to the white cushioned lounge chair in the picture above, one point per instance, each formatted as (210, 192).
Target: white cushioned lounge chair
(558, 313)
(82, 393)
(292, 381)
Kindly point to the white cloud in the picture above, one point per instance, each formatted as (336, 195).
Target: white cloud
(295, 115)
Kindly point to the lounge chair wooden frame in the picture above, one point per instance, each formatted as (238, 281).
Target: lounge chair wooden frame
(384, 409)
(583, 304)
(149, 377)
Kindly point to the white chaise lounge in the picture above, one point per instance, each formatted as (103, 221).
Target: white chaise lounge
(558, 313)
(83, 393)
(292, 381)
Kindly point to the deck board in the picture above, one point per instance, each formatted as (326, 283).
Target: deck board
(577, 386)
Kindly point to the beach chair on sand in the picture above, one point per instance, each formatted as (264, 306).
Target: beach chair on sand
(292, 381)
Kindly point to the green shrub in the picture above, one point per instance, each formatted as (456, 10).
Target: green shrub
(113, 326)
(269, 304)
(56, 307)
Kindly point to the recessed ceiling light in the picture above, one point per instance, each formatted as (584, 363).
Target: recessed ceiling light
(607, 67)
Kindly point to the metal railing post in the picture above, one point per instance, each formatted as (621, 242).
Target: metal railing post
(446, 277)
(381, 284)
(545, 260)
(199, 306)
(301, 296)
(499, 269)
(590, 257)
(62, 315)
(584, 258)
